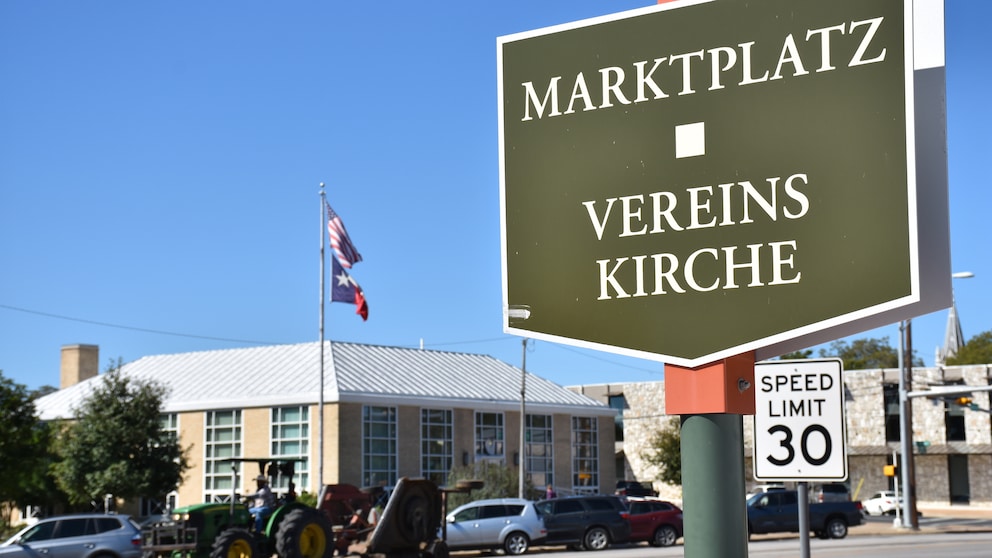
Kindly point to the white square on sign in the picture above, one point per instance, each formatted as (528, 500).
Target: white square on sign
(690, 140)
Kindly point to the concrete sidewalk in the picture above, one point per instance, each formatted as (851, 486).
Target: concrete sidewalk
(963, 512)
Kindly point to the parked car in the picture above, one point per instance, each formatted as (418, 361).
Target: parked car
(882, 503)
(777, 511)
(830, 492)
(655, 521)
(634, 488)
(77, 536)
(590, 522)
(509, 524)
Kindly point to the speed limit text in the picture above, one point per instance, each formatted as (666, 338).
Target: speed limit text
(805, 406)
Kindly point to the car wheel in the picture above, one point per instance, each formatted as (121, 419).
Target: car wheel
(664, 536)
(516, 543)
(837, 528)
(596, 539)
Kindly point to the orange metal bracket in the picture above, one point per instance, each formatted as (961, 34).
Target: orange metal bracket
(726, 386)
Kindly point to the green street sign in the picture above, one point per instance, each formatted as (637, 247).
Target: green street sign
(695, 180)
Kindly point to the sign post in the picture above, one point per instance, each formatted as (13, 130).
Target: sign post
(800, 433)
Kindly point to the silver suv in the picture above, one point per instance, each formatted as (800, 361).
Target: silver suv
(76, 536)
(508, 524)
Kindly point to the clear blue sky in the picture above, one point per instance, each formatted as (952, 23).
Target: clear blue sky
(160, 162)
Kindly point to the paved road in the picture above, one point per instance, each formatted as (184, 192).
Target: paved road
(922, 545)
(947, 533)
(914, 545)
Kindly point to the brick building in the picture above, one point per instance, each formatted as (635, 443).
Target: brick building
(388, 412)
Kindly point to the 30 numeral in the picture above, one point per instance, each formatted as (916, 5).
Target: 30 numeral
(790, 451)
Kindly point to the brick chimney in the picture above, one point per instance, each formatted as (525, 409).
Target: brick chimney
(79, 362)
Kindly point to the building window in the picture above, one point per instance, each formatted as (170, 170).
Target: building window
(539, 445)
(619, 403)
(291, 440)
(585, 455)
(379, 457)
(169, 422)
(954, 425)
(489, 436)
(890, 399)
(436, 444)
(223, 441)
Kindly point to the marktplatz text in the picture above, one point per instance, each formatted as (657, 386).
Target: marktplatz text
(844, 45)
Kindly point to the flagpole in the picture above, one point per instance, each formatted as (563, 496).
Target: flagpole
(320, 404)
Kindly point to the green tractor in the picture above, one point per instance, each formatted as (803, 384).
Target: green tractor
(227, 530)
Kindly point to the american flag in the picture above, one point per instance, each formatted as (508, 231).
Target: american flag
(340, 241)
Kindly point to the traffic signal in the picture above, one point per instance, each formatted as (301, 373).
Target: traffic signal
(890, 470)
(964, 401)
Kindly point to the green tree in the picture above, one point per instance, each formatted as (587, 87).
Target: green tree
(866, 354)
(978, 350)
(665, 452)
(117, 444)
(500, 481)
(24, 443)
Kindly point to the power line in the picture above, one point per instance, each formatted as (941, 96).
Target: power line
(134, 328)
(444, 344)
(255, 342)
(561, 347)
(614, 363)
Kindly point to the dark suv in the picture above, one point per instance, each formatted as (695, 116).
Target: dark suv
(634, 488)
(590, 522)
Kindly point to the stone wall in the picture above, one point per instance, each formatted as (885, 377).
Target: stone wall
(864, 408)
(980, 479)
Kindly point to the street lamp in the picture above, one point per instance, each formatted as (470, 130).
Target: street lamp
(909, 515)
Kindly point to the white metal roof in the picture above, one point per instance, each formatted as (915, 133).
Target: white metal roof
(290, 375)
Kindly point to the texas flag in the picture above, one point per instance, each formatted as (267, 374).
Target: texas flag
(346, 289)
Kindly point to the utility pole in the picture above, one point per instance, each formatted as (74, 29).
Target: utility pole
(910, 519)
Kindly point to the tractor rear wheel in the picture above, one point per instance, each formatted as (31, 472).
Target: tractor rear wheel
(234, 543)
(305, 533)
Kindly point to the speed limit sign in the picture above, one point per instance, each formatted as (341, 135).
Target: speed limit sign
(799, 429)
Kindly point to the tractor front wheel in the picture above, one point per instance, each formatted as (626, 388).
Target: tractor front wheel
(234, 543)
(305, 533)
